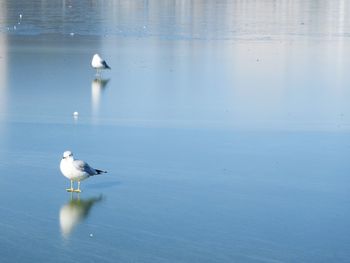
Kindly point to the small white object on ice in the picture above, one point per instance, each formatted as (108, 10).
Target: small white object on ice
(91, 235)
(75, 114)
(72, 34)
(20, 16)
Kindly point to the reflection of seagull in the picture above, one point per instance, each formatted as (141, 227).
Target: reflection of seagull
(75, 211)
(98, 63)
(76, 170)
(97, 86)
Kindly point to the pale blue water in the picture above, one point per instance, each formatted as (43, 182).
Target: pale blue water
(224, 127)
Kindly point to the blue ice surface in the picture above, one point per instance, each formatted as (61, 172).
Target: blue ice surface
(224, 128)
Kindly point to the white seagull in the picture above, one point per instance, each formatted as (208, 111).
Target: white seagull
(98, 63)
(76, 170)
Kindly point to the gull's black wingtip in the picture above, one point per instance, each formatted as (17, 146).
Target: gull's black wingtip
(105, 65)
(100, 171)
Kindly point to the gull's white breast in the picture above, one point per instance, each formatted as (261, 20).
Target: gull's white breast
(72, 173)
(97, 62)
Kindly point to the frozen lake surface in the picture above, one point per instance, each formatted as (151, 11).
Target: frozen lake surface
(224, 127)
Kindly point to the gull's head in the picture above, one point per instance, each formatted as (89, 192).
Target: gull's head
(96, 56)
(67, 155)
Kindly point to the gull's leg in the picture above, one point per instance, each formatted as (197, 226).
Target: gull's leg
(78, 190)
(98, 72)
(71, 187)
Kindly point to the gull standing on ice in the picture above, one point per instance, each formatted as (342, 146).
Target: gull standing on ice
(98, 63)
(76, 170)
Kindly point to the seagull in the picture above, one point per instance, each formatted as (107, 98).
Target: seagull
(98, 63)
(76, 170)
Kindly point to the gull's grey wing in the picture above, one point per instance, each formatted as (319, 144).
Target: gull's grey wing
(84, 167)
